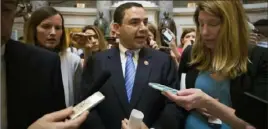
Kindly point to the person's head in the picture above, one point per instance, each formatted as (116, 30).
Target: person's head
(154, 33)
(130, 23)
(96, 37)
(8, 11)
(262, 27)
(187, 35)
(45, 28)
(112, 30)
(222, 37)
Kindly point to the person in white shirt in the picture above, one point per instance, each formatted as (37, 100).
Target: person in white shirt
(48, 32)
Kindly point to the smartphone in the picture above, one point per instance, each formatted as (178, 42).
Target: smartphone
(87, 104)
(162, 88)
(167, 34)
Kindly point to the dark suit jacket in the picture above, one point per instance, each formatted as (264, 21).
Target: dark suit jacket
(158, 112)
(247, 108)
(34, 84)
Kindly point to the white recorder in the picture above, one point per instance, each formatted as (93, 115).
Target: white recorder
(87, 104)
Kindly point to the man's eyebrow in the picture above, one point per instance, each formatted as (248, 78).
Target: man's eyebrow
(136, 19)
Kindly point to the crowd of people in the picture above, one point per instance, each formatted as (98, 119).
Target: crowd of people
(43, 76)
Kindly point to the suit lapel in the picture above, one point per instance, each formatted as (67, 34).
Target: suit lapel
(142, 76)
(118, 79)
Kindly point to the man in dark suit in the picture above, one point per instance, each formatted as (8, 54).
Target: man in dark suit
(132, 67)
(31, 84)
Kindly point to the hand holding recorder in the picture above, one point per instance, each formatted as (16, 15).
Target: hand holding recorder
(59, 120)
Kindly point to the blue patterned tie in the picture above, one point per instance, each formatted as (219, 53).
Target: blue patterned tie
(129, 74)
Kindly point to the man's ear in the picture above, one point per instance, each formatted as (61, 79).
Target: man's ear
(116, 28)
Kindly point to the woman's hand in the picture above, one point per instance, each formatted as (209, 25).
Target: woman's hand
(189, 98)
(82, 40)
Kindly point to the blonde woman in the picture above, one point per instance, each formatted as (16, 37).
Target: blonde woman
(219, 64)
(91, 40)
(45, 29)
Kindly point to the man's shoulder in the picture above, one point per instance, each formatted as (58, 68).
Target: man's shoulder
(22, 49)
(105, 53)
(156, 53)
(16, 50)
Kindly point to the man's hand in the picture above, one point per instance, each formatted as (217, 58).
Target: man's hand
(125, 125)
(57, 120)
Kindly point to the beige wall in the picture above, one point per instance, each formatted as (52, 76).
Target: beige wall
(79, 17)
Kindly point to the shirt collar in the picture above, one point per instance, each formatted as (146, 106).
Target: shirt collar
(123, 50)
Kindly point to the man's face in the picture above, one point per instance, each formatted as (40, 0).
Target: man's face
(8, 10)
(133, 32)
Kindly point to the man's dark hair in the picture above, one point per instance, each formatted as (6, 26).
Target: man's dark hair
(119, 12)
(261, 22)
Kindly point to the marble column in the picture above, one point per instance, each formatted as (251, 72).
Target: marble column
(165, 6)
(38, 4)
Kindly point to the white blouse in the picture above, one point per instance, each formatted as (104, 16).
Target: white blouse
(70, 65)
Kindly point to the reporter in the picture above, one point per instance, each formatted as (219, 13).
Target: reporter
(223, 64)
(91, 40)
(196, 99)
(55, 120)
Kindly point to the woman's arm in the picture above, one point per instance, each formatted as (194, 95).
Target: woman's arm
(195, 98)
(226, 114)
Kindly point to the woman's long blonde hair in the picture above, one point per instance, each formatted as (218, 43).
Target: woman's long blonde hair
(230, 55)
(101, 38)
(155, 32)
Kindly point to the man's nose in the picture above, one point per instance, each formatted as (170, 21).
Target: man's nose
(143, 28)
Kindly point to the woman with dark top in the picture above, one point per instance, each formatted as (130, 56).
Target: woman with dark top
(187, 38)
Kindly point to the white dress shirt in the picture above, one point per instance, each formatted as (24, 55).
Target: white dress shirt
(123, 57)
(3, 90)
